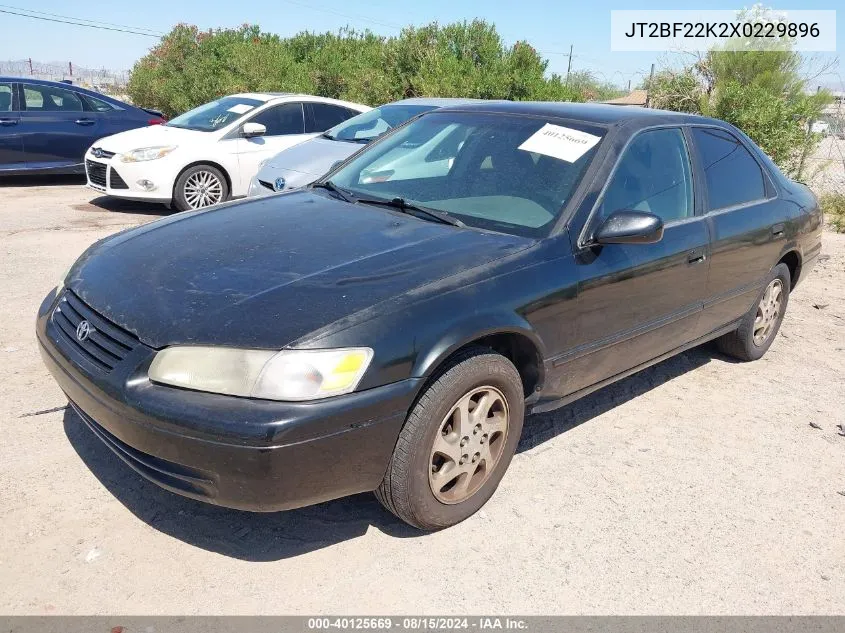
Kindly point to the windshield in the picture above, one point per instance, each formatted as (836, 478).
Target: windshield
(215, 115)
(367, 126)
(501, 172)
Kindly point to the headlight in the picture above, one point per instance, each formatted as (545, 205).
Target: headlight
(285, 375)
(146, 153)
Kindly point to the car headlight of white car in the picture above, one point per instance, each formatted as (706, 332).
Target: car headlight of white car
(146, 153)
(267, 374)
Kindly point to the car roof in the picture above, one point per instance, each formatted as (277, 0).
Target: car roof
(62, 84)
(439, 102)
(597, 113)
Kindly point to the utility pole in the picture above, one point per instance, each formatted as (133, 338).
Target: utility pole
(569, 65)
(629, 85)
(30, 66)
(70, 68)
(648, 87)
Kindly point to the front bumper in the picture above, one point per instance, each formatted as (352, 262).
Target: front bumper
(255, 455)
(113, 178)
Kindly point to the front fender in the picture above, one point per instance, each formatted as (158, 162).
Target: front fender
(431, 354)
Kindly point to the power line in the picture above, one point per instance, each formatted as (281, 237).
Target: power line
(90, 26)
(68, 17)
(348, 16)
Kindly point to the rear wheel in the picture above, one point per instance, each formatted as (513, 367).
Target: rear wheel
(200, 186)
(457, 442)
(760, 325)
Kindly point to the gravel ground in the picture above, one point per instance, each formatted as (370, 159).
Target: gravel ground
(699, 486)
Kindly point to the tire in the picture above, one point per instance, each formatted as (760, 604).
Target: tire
(185, 192)
(741, 343)
(477, 377)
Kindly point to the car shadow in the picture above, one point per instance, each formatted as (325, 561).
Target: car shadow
(279, 535)
(135, 207)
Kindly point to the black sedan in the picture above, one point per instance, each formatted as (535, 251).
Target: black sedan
(388, 329)
(47, 126)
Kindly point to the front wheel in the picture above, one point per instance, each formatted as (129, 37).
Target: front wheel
(457, 442)
(760, 325)
(200, 186)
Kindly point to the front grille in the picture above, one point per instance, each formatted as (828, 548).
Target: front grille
(99, 152)
(105, 345)
(115, 181)
(96, 173)
(268, 185)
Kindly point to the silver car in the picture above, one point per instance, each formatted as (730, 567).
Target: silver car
(304, 163)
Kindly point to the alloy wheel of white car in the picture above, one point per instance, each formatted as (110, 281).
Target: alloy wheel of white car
(199, 187)
(202, 189)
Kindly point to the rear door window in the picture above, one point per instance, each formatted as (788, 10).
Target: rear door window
(732, 175)
(325, 115)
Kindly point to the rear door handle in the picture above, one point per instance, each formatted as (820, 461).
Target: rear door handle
(696, 256)
(777, 230)
(85, 121)
(8, 121)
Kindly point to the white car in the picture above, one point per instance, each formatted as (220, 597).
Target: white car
(305, 163)
(210, 153)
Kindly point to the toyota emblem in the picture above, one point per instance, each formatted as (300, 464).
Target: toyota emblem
(83, 330)
(279, 184)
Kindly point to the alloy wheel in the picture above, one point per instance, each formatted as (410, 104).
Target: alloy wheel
(468, 445)
(768, 312)
(202, 189)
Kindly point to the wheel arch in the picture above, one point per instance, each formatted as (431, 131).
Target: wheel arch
(514, 340)
(196, 163)
(793, 260)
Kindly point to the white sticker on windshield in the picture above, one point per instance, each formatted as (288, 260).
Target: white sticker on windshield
(560, 142)
(241, 108)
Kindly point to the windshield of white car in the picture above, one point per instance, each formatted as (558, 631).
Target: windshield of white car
(369, 125)
(215, 115)
(501, 172)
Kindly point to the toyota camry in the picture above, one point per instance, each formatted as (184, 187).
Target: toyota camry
(389, 332)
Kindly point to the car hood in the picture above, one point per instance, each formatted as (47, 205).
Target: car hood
(270, 271)
(152, 136)
(314, 157)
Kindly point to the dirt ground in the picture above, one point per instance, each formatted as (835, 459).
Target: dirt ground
(699, 486)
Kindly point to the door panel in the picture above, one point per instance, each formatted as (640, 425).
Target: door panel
(636, 302)
(747, 223)
(56, 128)
(639, 301)
(11, 143)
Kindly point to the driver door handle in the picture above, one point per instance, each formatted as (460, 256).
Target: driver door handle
(696, 256)
(8, 121)
(85, 121)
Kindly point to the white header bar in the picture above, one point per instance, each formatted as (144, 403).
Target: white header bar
(680, 30)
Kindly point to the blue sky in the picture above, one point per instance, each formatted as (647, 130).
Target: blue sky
(550, 26)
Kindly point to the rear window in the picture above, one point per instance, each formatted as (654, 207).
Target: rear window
(733, 176)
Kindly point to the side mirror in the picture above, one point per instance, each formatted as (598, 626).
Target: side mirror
(250, 130)
(630, 227)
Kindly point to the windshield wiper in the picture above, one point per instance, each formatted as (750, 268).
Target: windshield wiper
(330, 186)
(412, 209)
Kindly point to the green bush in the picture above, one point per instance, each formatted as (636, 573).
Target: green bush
(833, 205)
(467, 59)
